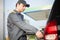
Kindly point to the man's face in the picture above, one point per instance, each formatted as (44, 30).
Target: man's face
(21, 7)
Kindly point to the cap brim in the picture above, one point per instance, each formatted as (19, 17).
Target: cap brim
(27, 5)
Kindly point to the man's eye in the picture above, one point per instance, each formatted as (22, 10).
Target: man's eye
(24, 6)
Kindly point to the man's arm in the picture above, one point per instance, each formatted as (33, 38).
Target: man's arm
(21, 24)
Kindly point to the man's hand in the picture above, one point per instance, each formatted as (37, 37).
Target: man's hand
(39, 34)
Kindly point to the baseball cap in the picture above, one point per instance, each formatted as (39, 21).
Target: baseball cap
(23, 2)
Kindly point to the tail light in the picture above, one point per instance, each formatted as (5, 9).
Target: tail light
(51, 31)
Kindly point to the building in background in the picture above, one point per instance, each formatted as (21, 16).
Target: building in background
(37, 18)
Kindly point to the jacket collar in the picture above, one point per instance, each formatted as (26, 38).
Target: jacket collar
(17, 12)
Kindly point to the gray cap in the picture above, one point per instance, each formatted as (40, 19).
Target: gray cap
(23, 2)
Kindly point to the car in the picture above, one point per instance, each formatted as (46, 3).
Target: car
(52, 29)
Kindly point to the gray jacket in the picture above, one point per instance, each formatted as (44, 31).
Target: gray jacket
(17, 27)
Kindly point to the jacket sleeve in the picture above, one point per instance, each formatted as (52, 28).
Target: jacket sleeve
(21, 24)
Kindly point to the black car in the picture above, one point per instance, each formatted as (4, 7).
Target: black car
(52, 29)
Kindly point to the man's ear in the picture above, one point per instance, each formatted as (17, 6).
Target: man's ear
(17, 4)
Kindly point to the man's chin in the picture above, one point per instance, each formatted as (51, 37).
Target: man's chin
(23, 10)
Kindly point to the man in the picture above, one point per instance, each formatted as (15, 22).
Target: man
(16, 25)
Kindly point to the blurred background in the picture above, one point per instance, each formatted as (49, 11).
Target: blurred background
(1, 19)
